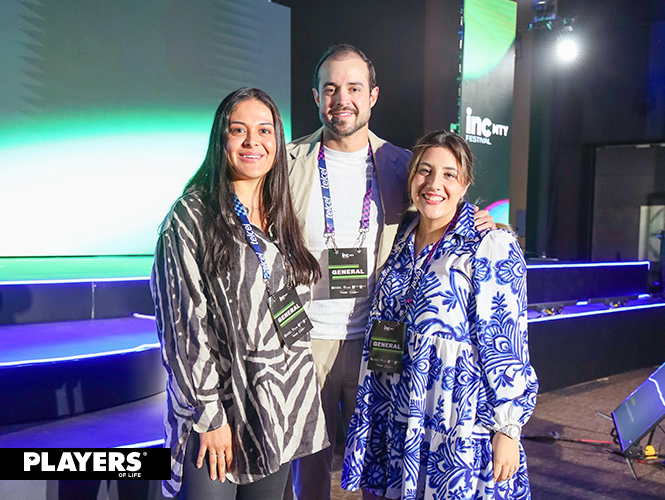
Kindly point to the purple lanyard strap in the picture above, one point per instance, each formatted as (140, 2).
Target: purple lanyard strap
(327, 200)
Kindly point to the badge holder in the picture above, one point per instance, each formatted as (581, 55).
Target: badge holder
(386, 346)
(289, 316)
(347, 272)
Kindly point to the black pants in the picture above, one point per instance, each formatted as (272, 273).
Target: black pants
(196, 483)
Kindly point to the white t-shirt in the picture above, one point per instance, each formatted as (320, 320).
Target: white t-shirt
(342, 319)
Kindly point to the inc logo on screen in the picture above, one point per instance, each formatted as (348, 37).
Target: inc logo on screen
(479, 129)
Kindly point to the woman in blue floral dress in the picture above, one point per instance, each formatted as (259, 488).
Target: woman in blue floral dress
(446, 423)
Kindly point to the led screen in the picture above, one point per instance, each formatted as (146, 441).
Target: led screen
(643, 409)
(106, 108)
(488, 64)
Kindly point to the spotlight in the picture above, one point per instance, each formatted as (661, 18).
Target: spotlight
(567, 49)
(546, 19)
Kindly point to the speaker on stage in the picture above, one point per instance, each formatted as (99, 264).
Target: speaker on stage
(640, 413)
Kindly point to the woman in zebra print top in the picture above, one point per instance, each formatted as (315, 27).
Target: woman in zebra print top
(241, 403)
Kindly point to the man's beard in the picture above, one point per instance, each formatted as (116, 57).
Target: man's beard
(349, 129)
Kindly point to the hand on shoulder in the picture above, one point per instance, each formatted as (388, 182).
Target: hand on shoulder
(483, 219)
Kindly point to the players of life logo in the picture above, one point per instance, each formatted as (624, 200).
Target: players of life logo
(480, 130)
(87, 463)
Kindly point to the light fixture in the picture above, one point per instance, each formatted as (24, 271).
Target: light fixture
(546, 18)
(567, 49)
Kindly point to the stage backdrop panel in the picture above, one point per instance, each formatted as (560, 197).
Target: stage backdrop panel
(106, 109)
(488, 67)
(629, 186)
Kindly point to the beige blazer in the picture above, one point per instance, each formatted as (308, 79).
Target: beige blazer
(390, 164)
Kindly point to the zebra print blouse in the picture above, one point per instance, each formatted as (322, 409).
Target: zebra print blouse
(224, 358)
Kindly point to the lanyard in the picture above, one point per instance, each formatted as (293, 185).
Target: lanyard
(418, 275)
(327, 200)
(253, 241)
(287, 312)
(424, 268)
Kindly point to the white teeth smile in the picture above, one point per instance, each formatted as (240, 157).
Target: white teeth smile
(432, 197)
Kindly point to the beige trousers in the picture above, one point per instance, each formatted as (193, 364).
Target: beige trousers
(337, 368)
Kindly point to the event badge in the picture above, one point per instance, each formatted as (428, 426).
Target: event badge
(386, 346)
(289, 315)
(347, 272)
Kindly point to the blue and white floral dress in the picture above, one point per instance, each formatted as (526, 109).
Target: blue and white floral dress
(425, 433)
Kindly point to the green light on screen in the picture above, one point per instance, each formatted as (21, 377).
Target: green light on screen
(489, 32)
(96, 185)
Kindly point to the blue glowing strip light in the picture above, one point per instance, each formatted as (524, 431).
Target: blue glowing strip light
(143, 316)
(594, 313)
(589, 264)
(145, 444)
(147, 278)
(74, 280)
(142, 347)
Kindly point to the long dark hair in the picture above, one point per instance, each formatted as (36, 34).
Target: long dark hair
(220, 222)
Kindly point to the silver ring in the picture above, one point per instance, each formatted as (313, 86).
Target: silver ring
(219, 456)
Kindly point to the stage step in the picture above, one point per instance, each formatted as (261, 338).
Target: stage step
(42, 301)
(53, 370)
(139, 423)
(559, 282)
(110, 297)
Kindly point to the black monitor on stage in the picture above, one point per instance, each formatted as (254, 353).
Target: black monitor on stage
(640, 413)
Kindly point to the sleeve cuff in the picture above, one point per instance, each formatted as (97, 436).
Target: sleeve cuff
(208, 417)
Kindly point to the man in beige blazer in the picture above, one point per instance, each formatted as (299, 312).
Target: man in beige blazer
(354, 160)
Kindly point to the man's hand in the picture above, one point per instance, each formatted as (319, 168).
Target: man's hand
(483, 219)
(220, 454)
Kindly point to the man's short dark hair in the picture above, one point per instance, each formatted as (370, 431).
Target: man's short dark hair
(338, 52)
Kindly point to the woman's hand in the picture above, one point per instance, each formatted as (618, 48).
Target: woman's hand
(506, 453)
(220, 455)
